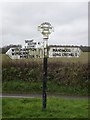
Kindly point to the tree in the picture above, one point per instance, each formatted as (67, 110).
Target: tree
(6, 48)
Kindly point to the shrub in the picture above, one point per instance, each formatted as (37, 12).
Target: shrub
(68, 74)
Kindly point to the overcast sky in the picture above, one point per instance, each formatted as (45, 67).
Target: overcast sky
(21, 19)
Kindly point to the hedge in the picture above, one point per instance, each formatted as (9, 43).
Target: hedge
(69, 74)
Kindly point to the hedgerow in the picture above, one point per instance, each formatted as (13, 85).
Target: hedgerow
(68, 74)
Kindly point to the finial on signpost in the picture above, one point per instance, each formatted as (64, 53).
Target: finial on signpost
(46, 29)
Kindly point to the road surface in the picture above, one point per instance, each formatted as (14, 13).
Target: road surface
(40, 96)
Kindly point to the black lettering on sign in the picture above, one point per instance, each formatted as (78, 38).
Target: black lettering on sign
(61, 50)
(65, 54)
(71, 54)
(75, 54)
(56, 54)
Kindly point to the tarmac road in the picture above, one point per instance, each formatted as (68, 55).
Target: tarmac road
(40, 96)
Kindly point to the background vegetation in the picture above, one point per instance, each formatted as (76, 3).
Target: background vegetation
(65, 75)
(4, 49)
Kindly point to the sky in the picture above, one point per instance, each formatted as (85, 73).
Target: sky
(20, 21)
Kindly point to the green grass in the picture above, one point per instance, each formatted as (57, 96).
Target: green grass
(5, 58)
(36, 87)
(0, 108)
(56, 108)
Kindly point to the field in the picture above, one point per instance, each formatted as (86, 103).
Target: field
(82, 59)
(66, 76)
(56, 108)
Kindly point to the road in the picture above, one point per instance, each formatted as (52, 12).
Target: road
(40, 96)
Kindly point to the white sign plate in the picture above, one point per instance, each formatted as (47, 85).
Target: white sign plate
(64, 52)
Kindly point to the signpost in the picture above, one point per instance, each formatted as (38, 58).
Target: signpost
(45, 29)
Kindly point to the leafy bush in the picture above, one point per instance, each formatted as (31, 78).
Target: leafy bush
(68, 74)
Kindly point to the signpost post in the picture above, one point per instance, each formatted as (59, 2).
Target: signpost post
(45, 29)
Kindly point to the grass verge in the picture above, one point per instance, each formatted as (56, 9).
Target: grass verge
(56, 108)
(36, 87)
